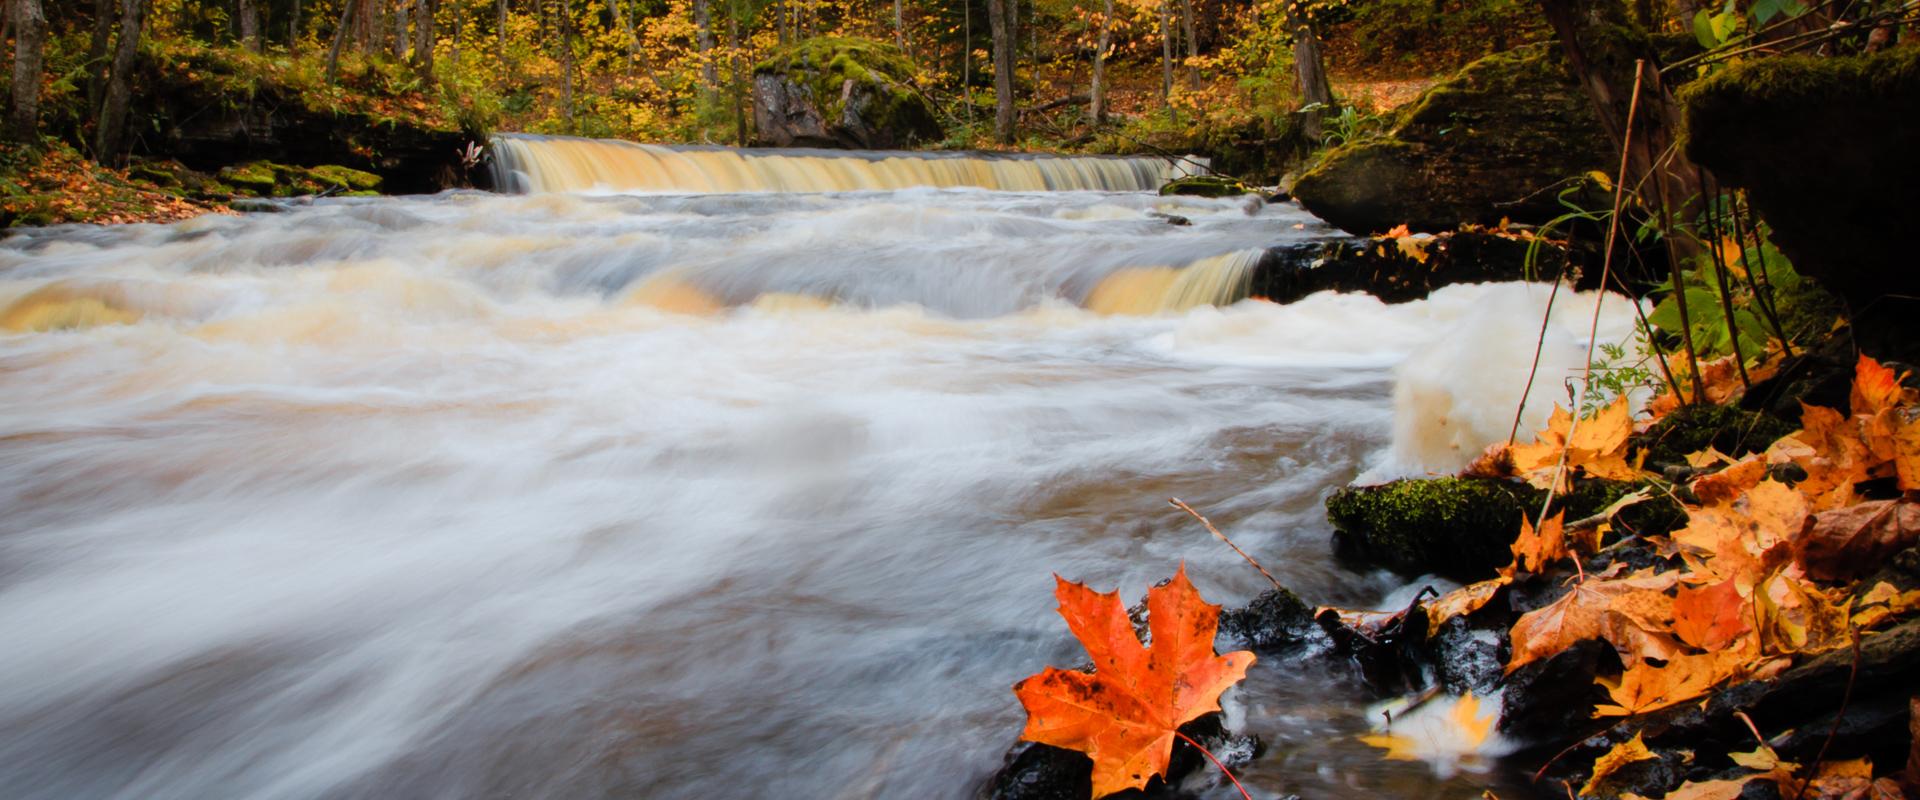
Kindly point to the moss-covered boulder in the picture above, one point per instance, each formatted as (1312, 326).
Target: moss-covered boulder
(1838, 207)
(831, 91)
(1459, 528)
(1206, 186)
(1691, 429)
(1463, 528)
(1498, 139)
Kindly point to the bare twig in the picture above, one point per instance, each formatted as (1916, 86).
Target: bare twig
(1176, 503)
(1216, 762)
(1846, 697)
(1538, 345)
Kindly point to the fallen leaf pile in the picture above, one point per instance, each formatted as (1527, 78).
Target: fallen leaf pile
(1124, 714)
(1772, 566)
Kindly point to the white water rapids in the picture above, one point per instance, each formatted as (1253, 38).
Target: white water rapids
(680, 497)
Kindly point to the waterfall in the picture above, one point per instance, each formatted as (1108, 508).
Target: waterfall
(528, 164)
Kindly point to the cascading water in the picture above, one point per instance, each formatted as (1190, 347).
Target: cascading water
(524, 163)
(749, 495)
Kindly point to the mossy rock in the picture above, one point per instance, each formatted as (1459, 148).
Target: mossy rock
(1691, 429)
(1768, 126)
(1463, 528)
(1498, 139)
(348, 178)
(268, 179)
(832, 91)
(1459, 528)
(256, 178)
(1206, 186)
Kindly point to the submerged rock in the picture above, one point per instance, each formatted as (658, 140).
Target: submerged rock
(1207, 186)
(1767, 125)
(831, 91)
(1277, 618)
(1499, 139)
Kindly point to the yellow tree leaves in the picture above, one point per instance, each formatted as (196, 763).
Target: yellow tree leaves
(1625, 753)
(1125, 713)
(1596, 446)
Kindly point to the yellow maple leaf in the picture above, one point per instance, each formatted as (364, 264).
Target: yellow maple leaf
(1627, 752)
(1596, 446)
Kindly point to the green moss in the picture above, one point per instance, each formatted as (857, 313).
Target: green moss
(352, 179)
(1655, 516)
(1206, 186)
(823, 65)
(1461, 528)
(1692, 429)
(255, 177)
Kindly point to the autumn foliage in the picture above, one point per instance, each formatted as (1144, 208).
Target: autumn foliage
(1125, 713)
(1769, 568)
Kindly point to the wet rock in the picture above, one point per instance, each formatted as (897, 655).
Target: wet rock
(1766, 126)
(1469, 656)
(1382, 267)
(1044, 772)
(1277, 618)
(1552, 701)
(1460, 528)
(1206, 186)
(1729, 429)
(1499, 139)
(1390, 655)
(831, 91)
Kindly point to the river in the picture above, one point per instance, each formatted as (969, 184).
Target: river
(580, 495)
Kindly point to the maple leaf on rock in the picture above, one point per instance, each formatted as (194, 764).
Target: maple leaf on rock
(1622, 754)
(1596, 446)
(1125, 713)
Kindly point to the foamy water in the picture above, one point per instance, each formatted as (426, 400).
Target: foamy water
(551, 496)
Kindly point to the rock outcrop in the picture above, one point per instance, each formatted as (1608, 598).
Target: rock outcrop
(830, 91)
(1769, 126)
(1500, 139)
(212, 109)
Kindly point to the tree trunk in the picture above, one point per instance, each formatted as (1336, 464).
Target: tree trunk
(1000, 19)
(109, 142)
(424, 37)
(339, 38)
(966, 56)
(104, 15)
(899, 27)
(1097, 95)
(500, 30)
(399, 40)
(1193, 42)
(1166, 56)
(1310, 71)
(293, 28)
(703, 41)
(1605, 63)
(566, 62)
(29, 42)
(739, 84)
(249, 23)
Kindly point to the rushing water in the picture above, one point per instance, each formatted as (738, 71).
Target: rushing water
(659, 496)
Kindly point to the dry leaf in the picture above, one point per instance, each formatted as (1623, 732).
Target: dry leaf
(1586, 612)
(1535, 549)
(1796, 617)
(1711, 616)
(1857, 539)
(1462, 601)
(1627, 752)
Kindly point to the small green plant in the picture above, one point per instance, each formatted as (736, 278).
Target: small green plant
(1348, 125)
(1622, 368)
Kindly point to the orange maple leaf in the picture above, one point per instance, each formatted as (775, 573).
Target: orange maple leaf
(1535, 549)
(1597, 446)
(1125, 713)
(1631, 613)
(1709, 617)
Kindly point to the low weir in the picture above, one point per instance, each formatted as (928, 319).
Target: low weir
(528, 164)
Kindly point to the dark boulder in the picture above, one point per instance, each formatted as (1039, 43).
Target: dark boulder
(1044, 772)
(1768, 126)
(1501, 138)
(1399, 271)
(831, 91)
(1277, 618)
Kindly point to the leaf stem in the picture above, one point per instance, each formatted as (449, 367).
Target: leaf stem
(1216, 762)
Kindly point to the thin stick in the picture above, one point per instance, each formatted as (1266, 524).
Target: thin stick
(1538, 345)
(1755, 278)
(1714, 237)
(1216, 762)
(1176, 503)
(1599, 297)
